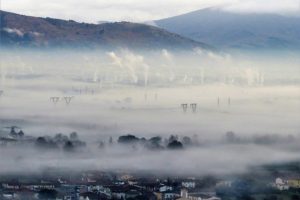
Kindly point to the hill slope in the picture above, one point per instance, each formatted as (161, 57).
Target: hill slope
(20, 30)
(233, 30)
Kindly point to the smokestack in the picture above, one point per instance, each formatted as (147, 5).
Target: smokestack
(202, 76)
(95, 77)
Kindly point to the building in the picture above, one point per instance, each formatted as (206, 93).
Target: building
(188, 184)
(294, 183)
(164, 188)
(281, 184)
(184, 195)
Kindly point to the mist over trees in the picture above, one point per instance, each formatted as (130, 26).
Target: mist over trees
(72, 141)
(60, 141)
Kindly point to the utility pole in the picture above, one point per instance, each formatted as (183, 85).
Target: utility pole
(184, 107)
(194, 107)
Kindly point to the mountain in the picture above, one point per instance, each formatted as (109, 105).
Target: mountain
(19, 30)
(236, 30)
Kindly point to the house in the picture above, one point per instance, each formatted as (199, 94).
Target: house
(188, 184)
(169, 195)
(281, 184)
(150, 186)
(149, 195)
(132, 194)
(126, 177)
(8, 195)
(40, 186)
(69, 191)
(89, 196)
(118, 191)
(164, 188)
(26, 194)
(132, 182)
(166, 195)
(11, 186)
(294, 183)
(184, 195)
(105, 191)
(224, 183)
(195, 196)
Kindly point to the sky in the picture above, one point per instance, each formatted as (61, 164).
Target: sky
(140, 10)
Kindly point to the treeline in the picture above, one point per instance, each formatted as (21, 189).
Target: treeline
(60, 141)
(173, 142)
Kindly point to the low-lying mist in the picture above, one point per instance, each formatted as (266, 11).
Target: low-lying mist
(111, 93)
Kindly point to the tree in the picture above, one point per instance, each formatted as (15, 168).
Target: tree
(175, 145)
(47, 194)
(73, 136)
(128, 139)
(13, 132)
(154, 143)
(272, 197)
(246, 197)
(295, 197)
(186, 140)
(155, 140)
(68, 146)
(60, 138)
(173, 138)
(41, 142)
(21, 134)
(110, 141)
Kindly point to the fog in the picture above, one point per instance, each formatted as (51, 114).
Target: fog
(102, 93)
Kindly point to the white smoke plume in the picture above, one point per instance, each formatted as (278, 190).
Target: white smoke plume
(15, 31)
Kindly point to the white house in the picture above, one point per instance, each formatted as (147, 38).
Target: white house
(165, 188)
(186, 196)
(281, 184)
(188, 184)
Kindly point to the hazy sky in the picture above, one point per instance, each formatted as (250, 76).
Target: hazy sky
(139, 10)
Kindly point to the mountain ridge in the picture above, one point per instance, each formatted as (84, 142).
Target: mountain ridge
(224, 29)
(21, 30)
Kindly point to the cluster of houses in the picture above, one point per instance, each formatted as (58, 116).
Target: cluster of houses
(286, 183)
(89, 187)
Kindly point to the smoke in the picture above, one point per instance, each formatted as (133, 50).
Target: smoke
(15, 31)
(116, 60)
(202, 76)
(263, 110)
(168, 62)
(254, 77)
(146, 73)
(132, 62)
(95, 77)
